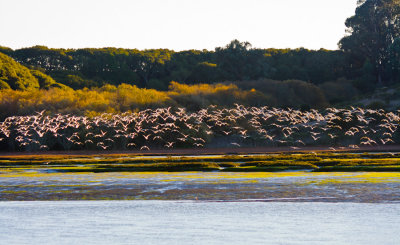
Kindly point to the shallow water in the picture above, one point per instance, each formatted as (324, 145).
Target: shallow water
(197, 222)
(285, 186)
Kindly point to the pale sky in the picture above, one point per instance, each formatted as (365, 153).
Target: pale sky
(173, 24)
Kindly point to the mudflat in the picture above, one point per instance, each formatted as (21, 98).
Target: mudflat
(278, 176)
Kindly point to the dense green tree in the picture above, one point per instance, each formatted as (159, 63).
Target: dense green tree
(394, 61)
(204, 72)
(192, 66)
(315, 66)
(44, 57)
(6, 50)
(15, 75)
(372, 30)
(150, 64)
(237, 61)
(45, 81)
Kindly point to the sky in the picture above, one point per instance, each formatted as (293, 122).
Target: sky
(173, 24)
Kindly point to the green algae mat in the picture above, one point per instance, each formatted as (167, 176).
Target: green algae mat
(316, 162)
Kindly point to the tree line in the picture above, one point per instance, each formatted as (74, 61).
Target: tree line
(368, 57)
(237, 61)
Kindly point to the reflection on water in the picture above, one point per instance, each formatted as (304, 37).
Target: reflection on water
(197, 222)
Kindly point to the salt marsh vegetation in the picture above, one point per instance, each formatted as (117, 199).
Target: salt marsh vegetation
(314, 161)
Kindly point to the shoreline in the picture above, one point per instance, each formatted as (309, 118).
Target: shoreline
(310, 159)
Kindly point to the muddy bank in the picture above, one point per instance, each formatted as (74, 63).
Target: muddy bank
(217, 151)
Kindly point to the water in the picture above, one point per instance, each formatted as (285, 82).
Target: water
(331, 187)
(195, 222)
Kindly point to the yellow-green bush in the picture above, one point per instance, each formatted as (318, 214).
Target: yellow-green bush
(125, 97)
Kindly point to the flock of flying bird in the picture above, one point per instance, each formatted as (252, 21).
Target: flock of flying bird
(167, 128)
